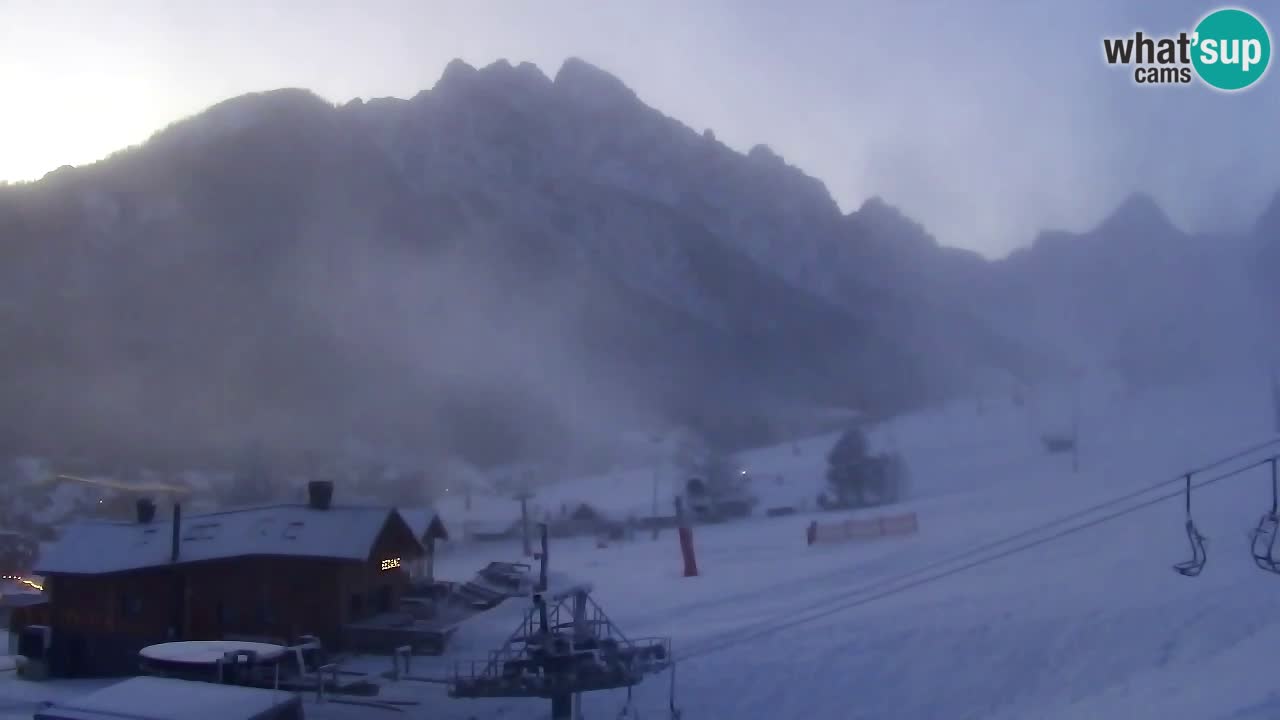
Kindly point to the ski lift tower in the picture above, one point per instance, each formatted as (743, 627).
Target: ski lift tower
(564, 646)
(524, 495)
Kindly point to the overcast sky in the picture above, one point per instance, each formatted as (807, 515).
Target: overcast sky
(984, 119)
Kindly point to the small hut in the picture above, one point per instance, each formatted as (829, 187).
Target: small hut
(429, 528)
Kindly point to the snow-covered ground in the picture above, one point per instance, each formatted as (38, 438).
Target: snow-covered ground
(1092, 624)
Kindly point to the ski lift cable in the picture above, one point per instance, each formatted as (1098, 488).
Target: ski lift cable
(818, 611)
(889, 586)
(1037, 529)
(1042, 527)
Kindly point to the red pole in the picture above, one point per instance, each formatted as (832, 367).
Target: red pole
(686, 542)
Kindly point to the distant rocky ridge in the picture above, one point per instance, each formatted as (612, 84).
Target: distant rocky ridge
(504, 265)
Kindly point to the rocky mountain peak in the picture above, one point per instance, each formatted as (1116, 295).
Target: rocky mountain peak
(1138, 213)
(592, 85)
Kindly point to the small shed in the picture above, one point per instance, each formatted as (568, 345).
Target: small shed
(429, 528)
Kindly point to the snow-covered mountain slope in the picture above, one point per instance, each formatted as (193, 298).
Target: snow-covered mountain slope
(1090, 624)
(998, 608)
(505, 254)
(509, 261)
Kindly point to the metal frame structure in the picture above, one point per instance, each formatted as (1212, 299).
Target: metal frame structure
(1264, 535)
(1199, 556)
(564, 646)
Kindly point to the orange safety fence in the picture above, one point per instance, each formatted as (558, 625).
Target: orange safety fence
(868, 529)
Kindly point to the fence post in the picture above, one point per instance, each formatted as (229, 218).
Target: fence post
(331, 668)
(686, 542)
(406, 652)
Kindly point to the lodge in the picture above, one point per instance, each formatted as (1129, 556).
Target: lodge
(275, 573)
(429, 529)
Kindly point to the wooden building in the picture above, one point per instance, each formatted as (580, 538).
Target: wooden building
(578, 519)
(429, 529)
(273, 573)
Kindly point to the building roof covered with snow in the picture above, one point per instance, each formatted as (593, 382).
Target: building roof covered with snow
(340, 532)
(424, 521)
(153, 698)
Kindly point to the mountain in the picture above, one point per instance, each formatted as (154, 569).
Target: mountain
(510, 265)
(1138, 295)
(1267, 269)
(502, 265)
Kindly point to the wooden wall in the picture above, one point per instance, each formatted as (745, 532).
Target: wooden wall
(280, 598)
(134, 603)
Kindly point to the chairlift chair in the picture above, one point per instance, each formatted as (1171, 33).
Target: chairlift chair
(1199, 557)
(1264, 536)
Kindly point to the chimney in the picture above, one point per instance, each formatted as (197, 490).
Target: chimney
(320, 494)
(146, 510)
(177, 531)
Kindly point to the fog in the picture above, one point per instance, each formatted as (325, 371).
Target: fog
(986, 120)
(466, 279)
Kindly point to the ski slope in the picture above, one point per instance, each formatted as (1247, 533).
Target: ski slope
(1083, 619)
(1091, 624)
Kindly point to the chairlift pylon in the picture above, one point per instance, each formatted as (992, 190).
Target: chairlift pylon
(676, 713)
(1264, 536)
(564, 646)
(1199, 557)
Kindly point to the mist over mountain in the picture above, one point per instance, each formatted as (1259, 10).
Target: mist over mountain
(1267, 270)
(1139, 296)
(510, 265)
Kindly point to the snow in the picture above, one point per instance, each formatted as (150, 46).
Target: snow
(1092, 623)
(152, 698)
(418, 519)
(340, 532)
(483, 513)
(619, 494)
(208, 651)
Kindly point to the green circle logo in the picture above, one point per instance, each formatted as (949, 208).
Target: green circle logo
(1232, 49)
